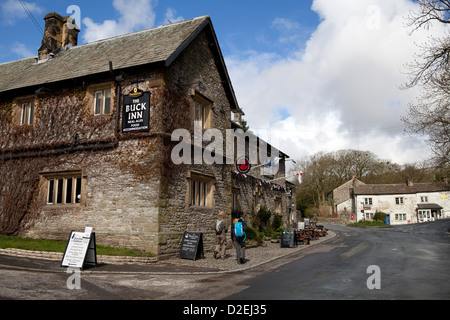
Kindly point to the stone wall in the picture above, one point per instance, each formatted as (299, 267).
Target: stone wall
(196, 65)
(254, 193)
(122, 209)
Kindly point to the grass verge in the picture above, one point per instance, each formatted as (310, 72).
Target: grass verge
(59, 246)
(369, 224)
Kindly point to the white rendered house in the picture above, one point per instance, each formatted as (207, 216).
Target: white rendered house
(403, 203)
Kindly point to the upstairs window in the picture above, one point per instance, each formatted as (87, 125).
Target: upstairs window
(102, 102)
(399, 200)
(27, 113)
(277, 202)
(368, 201)
(202, 111)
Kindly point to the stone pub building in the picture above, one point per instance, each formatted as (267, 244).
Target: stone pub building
(86, 139)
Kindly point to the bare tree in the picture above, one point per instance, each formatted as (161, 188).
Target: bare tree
(429, 11)
(430, 114)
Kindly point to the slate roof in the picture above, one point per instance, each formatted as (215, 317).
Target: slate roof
(381, 189)
(155, 45)
(429, 206)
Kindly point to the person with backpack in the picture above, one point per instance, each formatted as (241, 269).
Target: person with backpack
(238, 236)
(221, 229)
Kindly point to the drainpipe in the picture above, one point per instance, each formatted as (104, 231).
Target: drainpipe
(118, 93)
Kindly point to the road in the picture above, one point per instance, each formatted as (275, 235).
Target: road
(411, 262)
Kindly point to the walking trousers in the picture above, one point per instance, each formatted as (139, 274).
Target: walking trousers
(240, 251)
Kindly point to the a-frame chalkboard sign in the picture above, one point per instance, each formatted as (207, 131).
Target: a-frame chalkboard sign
(287, 238)
(192, 246)
(80, 250)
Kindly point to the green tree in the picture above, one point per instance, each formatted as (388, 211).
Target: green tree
(276, 222)
(263, 215)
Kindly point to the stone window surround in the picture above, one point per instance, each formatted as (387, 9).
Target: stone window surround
(206, 107)
(55, 176)
(91, 95)
(18, 104)
(209, 180)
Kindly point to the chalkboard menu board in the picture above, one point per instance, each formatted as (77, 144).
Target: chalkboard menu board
(287, 238)
(80, 250)
(192, 246)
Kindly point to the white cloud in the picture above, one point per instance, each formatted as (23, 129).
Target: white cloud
(289, 30)
(12, 10)
(170, 16)
(21, 50)
(285, 24)
(134, 15)
(342, 89)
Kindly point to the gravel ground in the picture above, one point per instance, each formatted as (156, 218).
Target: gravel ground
(254, 256)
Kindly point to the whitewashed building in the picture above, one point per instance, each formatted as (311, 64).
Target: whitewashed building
(403, 203)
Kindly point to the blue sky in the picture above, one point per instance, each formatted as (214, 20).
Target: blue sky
(241, 26)
(310, 75)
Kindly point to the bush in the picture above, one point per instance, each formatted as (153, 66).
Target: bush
(379, 216)
(264, 215)
(276, 223)
(251, 233)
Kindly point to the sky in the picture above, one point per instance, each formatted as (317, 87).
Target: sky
(310, 75)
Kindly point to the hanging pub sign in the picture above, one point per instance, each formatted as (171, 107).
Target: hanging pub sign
(243, 165)
(136, 111)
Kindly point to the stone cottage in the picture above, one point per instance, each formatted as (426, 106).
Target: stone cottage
(87, 139)
(342, 199)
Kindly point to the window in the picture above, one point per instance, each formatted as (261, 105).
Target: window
(424, 199)
(27, 113)
(368, 201)
(102, 104)
(202, 112)
(277, 203)
(424, 215)
(64, 189)
(200, 190)
(400, 216)
(399, 200)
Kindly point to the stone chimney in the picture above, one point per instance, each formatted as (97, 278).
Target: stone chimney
(60, 33)
(409, 182)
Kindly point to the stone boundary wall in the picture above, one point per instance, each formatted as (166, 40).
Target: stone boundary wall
(343, 219)
(58, 256)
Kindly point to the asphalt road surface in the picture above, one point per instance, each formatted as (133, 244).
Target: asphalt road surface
(403, 262)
